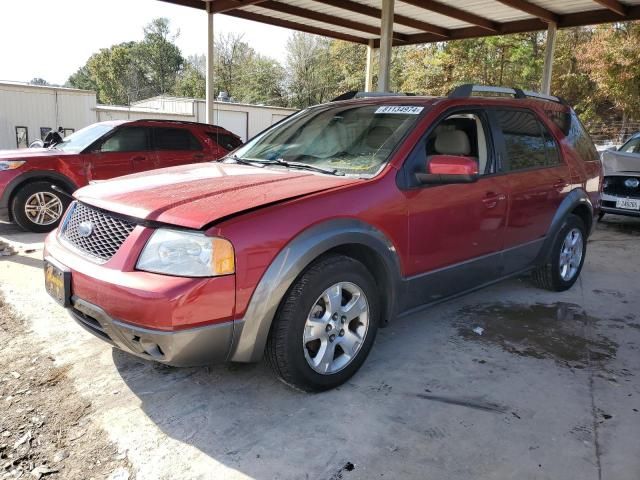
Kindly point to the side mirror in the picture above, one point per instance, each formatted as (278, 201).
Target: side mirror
(444, 169)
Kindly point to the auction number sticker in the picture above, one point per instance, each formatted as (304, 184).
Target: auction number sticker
(411, 110)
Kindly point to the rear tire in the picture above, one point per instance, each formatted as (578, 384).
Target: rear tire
(325, 326)
(36, 207)
(567, 257)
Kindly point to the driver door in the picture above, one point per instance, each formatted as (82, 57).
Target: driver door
(126, 150)
(455, 230)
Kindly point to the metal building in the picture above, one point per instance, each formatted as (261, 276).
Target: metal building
(28, 112)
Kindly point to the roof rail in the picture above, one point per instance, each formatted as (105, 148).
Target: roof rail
(355, 94)
(468, 89)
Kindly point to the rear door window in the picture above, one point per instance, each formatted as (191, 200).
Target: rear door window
(528, 144)
(175, 139)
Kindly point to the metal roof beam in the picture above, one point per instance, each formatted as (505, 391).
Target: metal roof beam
(324, 18)
(531, 9)
(256, 17)
(376, 13)
(578, 19)
(614, 6)
(456, 13)
(221, 6)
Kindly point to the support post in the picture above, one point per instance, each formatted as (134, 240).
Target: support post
(386, 42)
(368, 79)
(210, 94)
(548, 58)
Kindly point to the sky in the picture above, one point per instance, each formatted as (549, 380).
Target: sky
(51, 40)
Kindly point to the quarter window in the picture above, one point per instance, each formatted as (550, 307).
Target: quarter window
(576, 134)
(175, 139)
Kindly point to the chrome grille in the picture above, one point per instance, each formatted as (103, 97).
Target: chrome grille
(106, 233)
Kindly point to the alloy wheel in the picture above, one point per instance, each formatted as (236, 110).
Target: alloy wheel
(571, 254)
(43, 208)
(336, 328)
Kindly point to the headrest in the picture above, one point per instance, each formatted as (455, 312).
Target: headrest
(452, 142)
(377, 136)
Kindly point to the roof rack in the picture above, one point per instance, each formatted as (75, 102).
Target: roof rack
(355, 94)
(179, 122)
(468, 89)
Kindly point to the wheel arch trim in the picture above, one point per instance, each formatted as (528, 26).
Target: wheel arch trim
(251, 331)
(575, 199)
(33, 176)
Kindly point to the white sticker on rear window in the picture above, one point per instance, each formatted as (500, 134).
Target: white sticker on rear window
(411, 110)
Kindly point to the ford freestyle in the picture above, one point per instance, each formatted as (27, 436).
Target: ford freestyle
(300, 244)
(35, 184)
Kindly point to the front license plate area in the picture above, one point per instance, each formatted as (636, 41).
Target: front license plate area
(628, 203)
(57, 282)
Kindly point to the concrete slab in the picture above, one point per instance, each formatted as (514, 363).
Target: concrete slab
(549, 390)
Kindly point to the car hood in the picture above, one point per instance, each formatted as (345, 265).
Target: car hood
(620, 162)
(27, 153)
(195, 195)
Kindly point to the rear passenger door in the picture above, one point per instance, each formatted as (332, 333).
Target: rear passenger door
(536, 178)
(176, 146)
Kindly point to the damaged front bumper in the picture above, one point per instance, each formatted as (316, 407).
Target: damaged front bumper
(183, 348)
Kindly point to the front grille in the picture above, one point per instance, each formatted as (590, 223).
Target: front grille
(107, 233)
(615, 186)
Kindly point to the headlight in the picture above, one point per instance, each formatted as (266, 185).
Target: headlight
(10, 164)
(187, 254)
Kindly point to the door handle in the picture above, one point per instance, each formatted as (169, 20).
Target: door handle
(560, 183)
(491, 199)
(139, 158)
(198, 156)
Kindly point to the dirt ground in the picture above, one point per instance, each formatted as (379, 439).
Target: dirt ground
(38, 438)
(508, 382)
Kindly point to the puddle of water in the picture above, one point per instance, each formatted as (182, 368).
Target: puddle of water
(555, 331)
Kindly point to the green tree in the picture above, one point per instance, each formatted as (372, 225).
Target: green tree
(191, 80)
(159, 57)
(39, 81)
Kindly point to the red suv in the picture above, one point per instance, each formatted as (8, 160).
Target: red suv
(327, 226)
(33, 182)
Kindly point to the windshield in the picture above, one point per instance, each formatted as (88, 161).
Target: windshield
(350, 139)
(77, 142)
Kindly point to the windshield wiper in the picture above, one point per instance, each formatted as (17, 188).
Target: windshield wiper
(244, 161)
(303, 166)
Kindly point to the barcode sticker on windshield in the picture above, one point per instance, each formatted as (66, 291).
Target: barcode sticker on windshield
(399, 109)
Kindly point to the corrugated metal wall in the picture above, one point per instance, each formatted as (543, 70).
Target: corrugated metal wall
(42, 107)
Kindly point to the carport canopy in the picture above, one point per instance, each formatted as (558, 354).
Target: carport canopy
(381, 24)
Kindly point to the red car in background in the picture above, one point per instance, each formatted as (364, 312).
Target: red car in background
(31, 180)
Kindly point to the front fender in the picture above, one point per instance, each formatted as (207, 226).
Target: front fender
(251, 332)
(33, 175)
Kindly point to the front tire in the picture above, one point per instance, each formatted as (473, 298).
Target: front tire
(37, 207)
(325, 326)
(567, 257)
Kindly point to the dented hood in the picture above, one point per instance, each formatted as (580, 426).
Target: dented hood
(620, 162)
(195, 195)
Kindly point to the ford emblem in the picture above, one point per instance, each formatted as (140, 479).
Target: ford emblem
(85, 229)
(631, 183)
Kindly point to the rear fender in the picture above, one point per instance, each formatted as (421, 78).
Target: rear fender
(577, 198)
